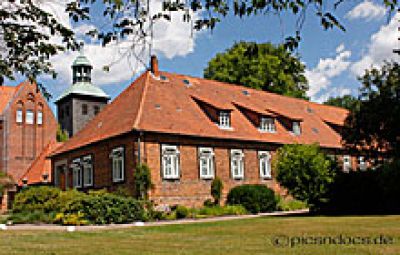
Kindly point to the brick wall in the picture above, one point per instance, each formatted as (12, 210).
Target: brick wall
(24, 142)
(189, 190)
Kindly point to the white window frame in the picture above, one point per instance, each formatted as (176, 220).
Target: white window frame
(19, 115)
(87, 166)
(39, 118)
(237, 164)
(264, 158)
(170, 159)
(30, 117)
(346, 163)
(76, 173)
(224, 118)
(296, 128)
(206, 162)
(267, 124)
(362, 164)
(118, 164)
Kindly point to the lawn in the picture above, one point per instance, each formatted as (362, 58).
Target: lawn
(249, 236)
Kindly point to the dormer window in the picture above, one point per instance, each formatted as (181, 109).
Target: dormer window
(267, 125)
(296, 129)
(224, 119)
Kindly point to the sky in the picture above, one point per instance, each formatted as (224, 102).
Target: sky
(334, 58)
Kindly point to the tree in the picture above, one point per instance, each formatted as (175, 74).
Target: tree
(143, 181)
(25, 45)
(374, 125)
(305, 172)
(260, 66)
(348, 102)
(61, 135)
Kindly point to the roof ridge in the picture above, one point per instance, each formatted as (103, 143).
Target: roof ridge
(140, 110)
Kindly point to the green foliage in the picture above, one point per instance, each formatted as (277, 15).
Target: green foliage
(374, 125)
(365, 192)
(5, 182)
(255, 198)
(41, 199)
(305, 172)
(97, 207)
(143, 182)
(289, 204)
(105, 208)
(260, 66)
(208, 203)
(61, 135)
(33, 217)
(216, 190)
(219, 211)
(181, 212)
(348, 102)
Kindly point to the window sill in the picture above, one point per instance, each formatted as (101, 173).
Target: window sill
(118, 181)
(266, 131)
(266, 178)
(225, 128)
(206, 178)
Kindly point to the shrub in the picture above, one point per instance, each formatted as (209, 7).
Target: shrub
(31, 217)
(216, 190)
(254, 198)
(289, 204)
(208, 203)
(76, 219)
(142, 181)
(220, 210)
(305, 172)
(181, 212)
(41, 199)
(106, 208)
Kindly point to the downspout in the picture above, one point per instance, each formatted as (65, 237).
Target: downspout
(139, 154)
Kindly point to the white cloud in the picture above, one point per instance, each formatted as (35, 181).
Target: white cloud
(319, 77)
(171, 38)
(380, 48)
(332, 92)
(367, 10)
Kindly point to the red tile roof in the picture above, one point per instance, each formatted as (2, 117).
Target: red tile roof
(6, 93)
(168, 106)
(41, 165)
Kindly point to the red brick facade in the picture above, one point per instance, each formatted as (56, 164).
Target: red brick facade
(21, 143)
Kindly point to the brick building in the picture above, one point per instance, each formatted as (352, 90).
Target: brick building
(188, 131)
(27, 126)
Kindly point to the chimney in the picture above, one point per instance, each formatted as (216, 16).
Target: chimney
(154, 65)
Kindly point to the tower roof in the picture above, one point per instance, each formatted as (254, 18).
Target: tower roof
(84, 89)
(81, 60)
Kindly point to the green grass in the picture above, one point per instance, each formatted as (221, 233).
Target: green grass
(248, 236)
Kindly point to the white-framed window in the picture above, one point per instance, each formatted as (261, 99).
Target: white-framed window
(224, 119)
(267, 125)
(346, 163)
(296, 129)
(118, 164)
(87, 165)
(170, 161)
(39, 117)
(361, 163)
(29, 117)
(76, 173)
(18, 116)
(206, 163)
(264, 158)
(237, 164)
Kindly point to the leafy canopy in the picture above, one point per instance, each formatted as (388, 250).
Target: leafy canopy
(374, 125)
(305, 172)
(348, 102)
(260, 66)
